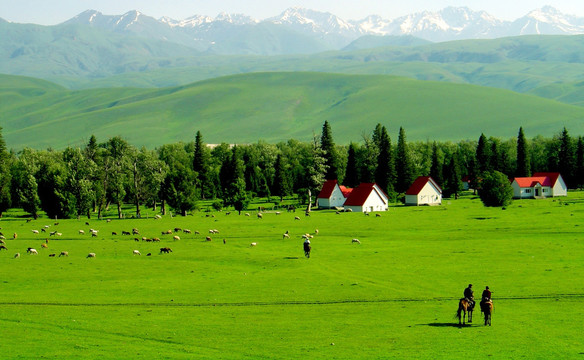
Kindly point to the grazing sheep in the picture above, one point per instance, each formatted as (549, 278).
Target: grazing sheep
(52, 255)
(316, 231)
(260, 216)
(86, 223)
(53, 233)
(64, 253)
(44, 246)
(94, 234)
(356, 241)
(149, 254)
(17, 255)
(165, 250)
(108, 220)
(155, 239)
(48, 226)
(177, 229)
(81, 232)
(59, 234)
(208, 238)
(35, 231)
(197, 233)
(157, 217)
(176, 238)
(136, 252)
(349, 210)
(126, 232)
(338, 212)
(90, 255)
(253, 244)
(43, 230)
(215, 231)
(2, 241)
(2, 247)
(278, 213)
(224, 242)
(56, 223)
(32, 251)
(366, 213)
(228, 213)
(46, 241)
(377, 215)
(247, 214)
(15, 236)
(135, 231)
(167, 232)
(114, 233)
(136, 239)
(307, 213)
(286, 236)
(186, 231)
(296, 218)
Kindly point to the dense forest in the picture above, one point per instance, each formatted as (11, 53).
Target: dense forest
(85, 181)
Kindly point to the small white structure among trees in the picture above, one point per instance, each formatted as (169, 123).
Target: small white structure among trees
(332, 195)
(540, 185)
(424, 191)
(367, 197)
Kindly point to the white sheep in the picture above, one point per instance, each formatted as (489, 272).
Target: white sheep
(176, 238)
(136, 252)
(356, 241)
(32, 251)
(90, 255)
(253, 244)
(17, 255)
(285, 236)
(35, 231)
(81, 232)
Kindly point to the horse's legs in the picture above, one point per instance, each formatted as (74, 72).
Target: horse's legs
(470, 316)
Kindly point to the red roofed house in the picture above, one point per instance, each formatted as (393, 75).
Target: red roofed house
(424, 191)
(540, 185)
(367, 197)
(332, 195)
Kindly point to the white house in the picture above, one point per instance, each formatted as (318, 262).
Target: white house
(332, 195)
(367, 197)
(424, 191)
(540, 185)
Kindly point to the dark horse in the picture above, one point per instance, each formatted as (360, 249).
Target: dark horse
(464, 306)
(487, 309)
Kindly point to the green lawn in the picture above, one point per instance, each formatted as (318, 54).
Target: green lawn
(393, 296)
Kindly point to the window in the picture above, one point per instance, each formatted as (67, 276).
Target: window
(528, 191)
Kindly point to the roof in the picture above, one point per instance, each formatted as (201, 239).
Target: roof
(360, 194)
(544, 179)
(327, 189)
(419, 184)
(346, 191)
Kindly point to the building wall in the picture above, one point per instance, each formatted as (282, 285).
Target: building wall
(336, 200)
(560, 188)
(427, 196)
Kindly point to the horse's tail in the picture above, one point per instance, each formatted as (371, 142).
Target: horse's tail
(459, 311)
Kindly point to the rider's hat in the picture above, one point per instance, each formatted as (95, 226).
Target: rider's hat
(487, 288)
(469, 285)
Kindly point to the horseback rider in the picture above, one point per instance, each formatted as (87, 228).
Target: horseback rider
(469, 295)
(486, 296)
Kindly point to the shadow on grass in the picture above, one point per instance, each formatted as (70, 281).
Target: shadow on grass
(450, 324)
(291, 258)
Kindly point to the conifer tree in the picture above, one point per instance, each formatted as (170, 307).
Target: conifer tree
(403, 163)
(328, 146)
(566, 158)
(385, 172)
(201, 165)
(436, 167)
(351, 172)
(579, 183)
(483, 154)
(523, 168)
(5, 176)
(282, 186)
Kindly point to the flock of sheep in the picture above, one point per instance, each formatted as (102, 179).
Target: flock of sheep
(134, 232)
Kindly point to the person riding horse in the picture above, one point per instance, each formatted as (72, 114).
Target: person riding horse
(469, 295)
(486, 296)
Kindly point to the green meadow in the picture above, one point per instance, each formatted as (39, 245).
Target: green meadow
(392, 296)
(273, 107)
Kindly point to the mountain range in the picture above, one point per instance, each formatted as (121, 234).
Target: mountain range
(300, 30)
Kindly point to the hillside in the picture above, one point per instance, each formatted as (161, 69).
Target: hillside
(274, 107)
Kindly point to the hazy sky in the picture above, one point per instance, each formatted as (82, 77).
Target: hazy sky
(50, 12)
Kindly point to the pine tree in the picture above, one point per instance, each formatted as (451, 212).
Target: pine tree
(201, 165)
(436, 167)
(523, 168)
(483, 154)
(5, 177)
(385, 172)
(566, 158)
(452, 185)
(282, 186)
(579, 163)
(328, 146)
(351, 172)
(403, 163)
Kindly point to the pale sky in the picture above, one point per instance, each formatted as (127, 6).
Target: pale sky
(50, 12)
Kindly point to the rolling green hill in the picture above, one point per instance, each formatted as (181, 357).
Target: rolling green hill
(273, 107)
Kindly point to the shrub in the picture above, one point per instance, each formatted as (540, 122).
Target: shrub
(495, 189)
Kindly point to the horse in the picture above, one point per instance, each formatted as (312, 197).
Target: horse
(487, 309)
(464, 306)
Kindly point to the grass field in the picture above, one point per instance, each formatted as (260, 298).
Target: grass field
(393, 296)
(273, 107)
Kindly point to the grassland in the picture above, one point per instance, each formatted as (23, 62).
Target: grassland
(274, 107)
(393, 296)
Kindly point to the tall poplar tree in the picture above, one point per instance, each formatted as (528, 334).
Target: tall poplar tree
(403, 164)
(5, 176)
(281, 186)
(328, 146)
(579, 163)
(566, 158)
(483, 154)
(201, 165)
(523, 168)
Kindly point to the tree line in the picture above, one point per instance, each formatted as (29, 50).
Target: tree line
(85, 181)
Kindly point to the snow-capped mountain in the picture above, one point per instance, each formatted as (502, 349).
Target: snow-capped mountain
(238, 33)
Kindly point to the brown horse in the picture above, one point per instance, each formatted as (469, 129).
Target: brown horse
(464, 307)
(487, 309)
